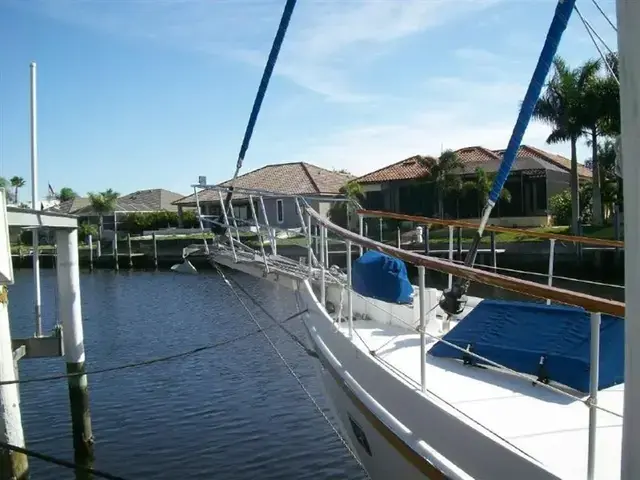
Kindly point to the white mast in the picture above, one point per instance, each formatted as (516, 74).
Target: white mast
(34, 199)
(628, 12)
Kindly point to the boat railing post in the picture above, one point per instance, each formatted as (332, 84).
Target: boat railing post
(323, 291)
(309, 247)
(116, 255)
(427, 227)
(199, 212)
(552, 248)
(360, 230)
(326, 248)
(349, 292)
(272, 235)
(398, 237)
(226, 224)
(90, 242)
(233, 219)
(450, 253)
(260, 239)
(380, 224)
(423, 328)
(593, 392)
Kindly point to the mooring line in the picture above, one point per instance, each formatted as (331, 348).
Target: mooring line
(152, 361)
(58, 461)
(289, 368)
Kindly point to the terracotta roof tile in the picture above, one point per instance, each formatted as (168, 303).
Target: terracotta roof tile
(553, 158)
(298, 178)
(406, 169)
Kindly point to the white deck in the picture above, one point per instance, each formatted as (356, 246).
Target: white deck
(544, 424)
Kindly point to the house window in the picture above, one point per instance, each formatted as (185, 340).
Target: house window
(280, 211)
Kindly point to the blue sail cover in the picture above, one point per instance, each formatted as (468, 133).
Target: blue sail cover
(380, 276)
(518, 334)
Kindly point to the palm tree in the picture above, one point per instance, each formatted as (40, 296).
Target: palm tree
(444, 172)
(562, 106)
(17, 183)
(482, 184)
(103, 202)
(339, 213)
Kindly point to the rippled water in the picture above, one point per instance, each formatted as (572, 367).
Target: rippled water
(230, 413)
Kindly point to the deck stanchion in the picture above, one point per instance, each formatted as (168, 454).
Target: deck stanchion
(323, 290)
(459, 243)
(360, 230)
(272, 236)
(552, 248)
(226, 224)
(450, 252)
(398, 238)
(349, 293)
(260, 239)
(309, 247)
(423, 328)
(594, 380)
(233, 219)
(380, 223)
(70, 314)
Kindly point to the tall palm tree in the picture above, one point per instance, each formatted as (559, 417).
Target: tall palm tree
(562, 107)
(482, 184)
(444, 173)
(17, 183)
(102, 203)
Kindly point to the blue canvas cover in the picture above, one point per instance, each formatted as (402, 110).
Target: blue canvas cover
(518, 334)
(380, 276)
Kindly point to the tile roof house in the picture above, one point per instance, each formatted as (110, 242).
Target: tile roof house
(536, 176)
(297, 178)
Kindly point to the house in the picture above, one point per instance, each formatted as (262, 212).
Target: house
(536, 176)
(151, 200)
(288, 179)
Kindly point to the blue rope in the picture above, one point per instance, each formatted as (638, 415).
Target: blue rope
(556, 29)
(266, 76)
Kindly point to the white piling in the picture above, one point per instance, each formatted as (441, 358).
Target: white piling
(70, 313)
(12, 464)
(34, 201)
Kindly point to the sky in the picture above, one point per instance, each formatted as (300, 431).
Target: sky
(136, 94)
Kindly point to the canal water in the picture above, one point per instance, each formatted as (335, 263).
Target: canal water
(229, 413)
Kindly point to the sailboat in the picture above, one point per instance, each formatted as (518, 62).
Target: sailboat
(441, 385)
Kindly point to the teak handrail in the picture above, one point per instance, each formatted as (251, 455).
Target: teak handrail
(525, 287)
(492, 228)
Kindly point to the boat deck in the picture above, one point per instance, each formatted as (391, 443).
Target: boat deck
(543, 424)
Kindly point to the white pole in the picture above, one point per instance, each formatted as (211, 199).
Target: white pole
(34, 200)
(423, 327)
(552, 248)
(70, 313)
(12, 465)
(323, 291)
(594, 380)
(349, 293)
(450, 252)
(309, 246)
(360, 230)
(272, 236)
(628, 12)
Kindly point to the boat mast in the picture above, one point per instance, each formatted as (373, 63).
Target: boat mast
(628, 12)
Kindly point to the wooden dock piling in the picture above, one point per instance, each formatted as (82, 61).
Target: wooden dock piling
(70, 313)
(155, 250)
(90, 240)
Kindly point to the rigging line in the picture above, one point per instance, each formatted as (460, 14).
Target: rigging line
(286, 364)
(291, 335)
(589, 30)
(57, 461)
(595, 2)
(262, 89)
(152, 361)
